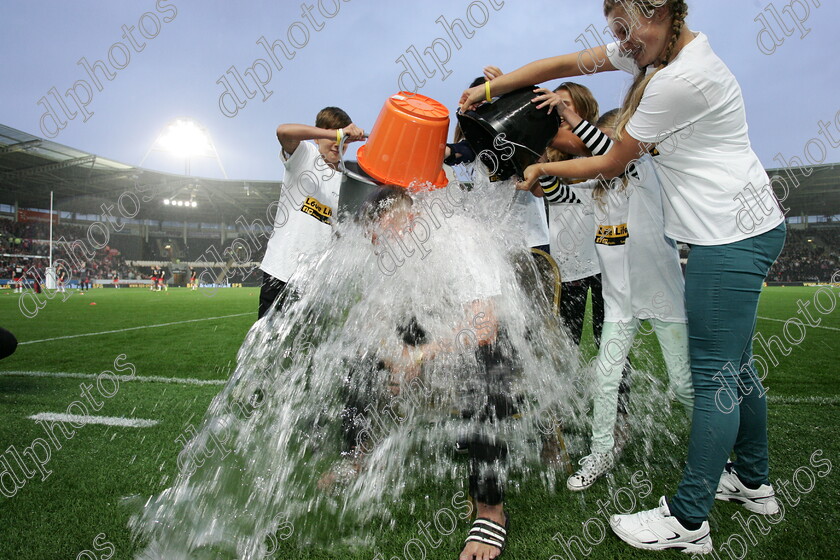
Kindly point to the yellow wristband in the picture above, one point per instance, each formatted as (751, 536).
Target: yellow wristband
(339, 134)
(487, 91)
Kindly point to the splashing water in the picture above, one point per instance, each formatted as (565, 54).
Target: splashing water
(332, 414)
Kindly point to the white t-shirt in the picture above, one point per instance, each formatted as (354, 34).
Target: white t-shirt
(528, 214)
(656, 278)
(610, 244)
(716, 190)
(640, 268)
(572, 232)
(302, 224)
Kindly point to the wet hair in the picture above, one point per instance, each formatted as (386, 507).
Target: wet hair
(332, 117)
(679, 11)
(585, 105)
(380, 201)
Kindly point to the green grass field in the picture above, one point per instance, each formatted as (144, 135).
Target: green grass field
(80, 500)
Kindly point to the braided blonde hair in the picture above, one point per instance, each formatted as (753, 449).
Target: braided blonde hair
(679, 11)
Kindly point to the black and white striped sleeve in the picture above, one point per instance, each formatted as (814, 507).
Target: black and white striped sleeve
(557, 192)
(597, 142)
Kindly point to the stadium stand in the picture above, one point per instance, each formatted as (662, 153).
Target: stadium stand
(27, 245)
(114, 218)
(810, 255)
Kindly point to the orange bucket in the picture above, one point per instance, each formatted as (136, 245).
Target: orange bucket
(407, 143)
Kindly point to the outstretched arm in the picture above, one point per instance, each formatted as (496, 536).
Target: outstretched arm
(590, 61)
(569, 143)
(607, 166)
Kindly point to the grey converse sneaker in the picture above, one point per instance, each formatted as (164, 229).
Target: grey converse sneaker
(761, 500)
(592, 467)
(657, 529)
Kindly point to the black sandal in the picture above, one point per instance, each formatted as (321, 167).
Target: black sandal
(489, 532)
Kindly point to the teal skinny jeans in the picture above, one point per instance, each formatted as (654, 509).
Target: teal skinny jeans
(722, 287)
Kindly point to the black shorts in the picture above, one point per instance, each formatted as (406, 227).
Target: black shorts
(272, 291)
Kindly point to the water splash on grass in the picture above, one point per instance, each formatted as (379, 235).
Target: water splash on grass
(332, 415)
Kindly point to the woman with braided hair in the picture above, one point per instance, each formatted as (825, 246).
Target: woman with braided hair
(687, 107)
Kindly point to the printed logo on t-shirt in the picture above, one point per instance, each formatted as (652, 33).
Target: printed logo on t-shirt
(612, 235)
(320, 212)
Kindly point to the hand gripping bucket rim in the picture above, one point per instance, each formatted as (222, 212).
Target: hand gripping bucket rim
(407, 143)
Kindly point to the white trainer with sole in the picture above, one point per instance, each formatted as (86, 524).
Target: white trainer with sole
(762, 500)
(657, 529)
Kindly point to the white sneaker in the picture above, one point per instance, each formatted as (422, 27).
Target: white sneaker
(592, 467)
(762, 500)
(657, 529)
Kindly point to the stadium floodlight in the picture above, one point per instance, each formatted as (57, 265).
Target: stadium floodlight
(185, 139)
(194, 204)
(166, 202)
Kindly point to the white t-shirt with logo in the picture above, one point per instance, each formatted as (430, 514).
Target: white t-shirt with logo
(715, 189)
(640, 268)
(610, 244)
(302, 223)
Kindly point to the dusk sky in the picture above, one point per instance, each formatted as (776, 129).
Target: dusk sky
(179, 51)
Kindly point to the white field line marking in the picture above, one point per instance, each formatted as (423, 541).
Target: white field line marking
(806, 325)
(141, 378)
(773, 399)
(104, 420)
(133, 328)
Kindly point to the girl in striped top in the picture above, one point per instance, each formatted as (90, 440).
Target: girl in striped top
(641, 277)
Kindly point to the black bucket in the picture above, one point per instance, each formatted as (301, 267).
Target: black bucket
(510, 133)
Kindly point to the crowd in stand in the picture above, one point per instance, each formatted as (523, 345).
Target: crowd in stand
(30, 240)
(810, 255)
